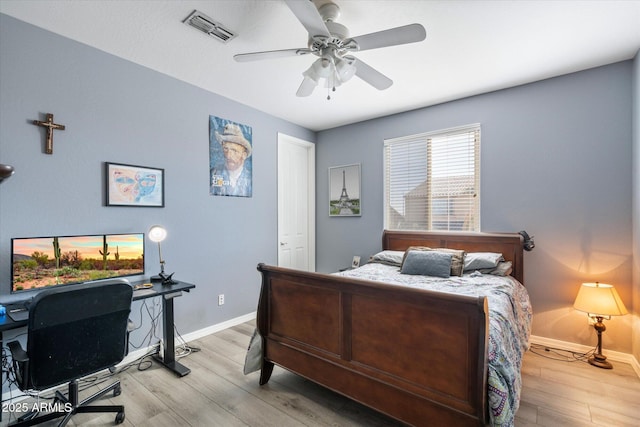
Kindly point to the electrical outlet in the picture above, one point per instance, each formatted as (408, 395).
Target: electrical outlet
(221, 299)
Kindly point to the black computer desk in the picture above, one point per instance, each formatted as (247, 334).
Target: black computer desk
(167, 292)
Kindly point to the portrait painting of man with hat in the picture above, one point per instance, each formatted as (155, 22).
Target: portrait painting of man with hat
(230, 158)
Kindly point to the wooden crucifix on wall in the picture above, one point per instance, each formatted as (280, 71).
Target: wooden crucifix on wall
(48, 123)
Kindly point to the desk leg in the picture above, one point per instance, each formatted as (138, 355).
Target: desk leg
(169, 356)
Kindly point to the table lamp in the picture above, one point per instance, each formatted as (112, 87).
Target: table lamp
(599, 300)
(158, 233)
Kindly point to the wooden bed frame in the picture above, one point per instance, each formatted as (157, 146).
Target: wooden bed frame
(418, 356)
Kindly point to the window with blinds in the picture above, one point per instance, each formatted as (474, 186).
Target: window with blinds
(432, 181)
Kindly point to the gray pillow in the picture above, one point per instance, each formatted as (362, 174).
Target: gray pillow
(427, 263)
(388, 257)
(457, 257)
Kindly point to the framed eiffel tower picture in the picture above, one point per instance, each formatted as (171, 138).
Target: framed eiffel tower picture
(344, 190)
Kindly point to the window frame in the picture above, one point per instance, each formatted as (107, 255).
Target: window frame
(423, 144)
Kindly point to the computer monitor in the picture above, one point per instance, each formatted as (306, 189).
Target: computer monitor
(38, 262)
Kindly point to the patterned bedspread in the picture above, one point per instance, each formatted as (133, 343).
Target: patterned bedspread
(509, 326)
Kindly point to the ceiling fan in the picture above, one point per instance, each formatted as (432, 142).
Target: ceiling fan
(330, 42)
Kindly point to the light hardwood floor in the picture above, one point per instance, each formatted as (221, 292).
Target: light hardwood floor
(216, 393)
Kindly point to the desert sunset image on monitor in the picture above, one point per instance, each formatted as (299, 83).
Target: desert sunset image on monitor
(47, 261)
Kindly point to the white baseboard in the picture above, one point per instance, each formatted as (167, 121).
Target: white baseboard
(565, 345)
(132, 356)
(191, 336)
(219, 327)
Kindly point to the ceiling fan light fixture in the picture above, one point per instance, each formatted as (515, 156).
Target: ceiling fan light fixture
(345, 68)
(307, 86)
(320, 69)
(310, 74)
(334, 71)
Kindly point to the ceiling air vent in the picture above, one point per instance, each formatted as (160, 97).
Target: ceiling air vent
(202, 22)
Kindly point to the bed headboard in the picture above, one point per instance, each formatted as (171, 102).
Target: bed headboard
(508, 244)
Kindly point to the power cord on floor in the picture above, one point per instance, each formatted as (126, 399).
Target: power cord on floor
(184, 349)
(560, 354)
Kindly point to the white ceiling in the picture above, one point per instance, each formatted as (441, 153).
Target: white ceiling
(472, 47)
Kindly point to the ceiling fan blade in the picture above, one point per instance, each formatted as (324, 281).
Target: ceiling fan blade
(270, 54)
(309, 17)
(392, 37)
(372, 76)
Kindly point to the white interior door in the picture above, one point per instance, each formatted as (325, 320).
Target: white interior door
(296, 203)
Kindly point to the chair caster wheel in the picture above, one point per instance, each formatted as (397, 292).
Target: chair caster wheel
(120, 417)
(117, 391)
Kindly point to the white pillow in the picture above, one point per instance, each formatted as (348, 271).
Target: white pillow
(480, 260)
(253, 358)
(504, 268)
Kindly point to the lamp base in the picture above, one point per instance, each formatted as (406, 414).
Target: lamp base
(600, 361)
(166, 279)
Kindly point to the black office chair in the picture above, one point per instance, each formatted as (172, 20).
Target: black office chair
(73, 331)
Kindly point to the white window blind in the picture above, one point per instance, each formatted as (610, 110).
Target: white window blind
(432, 181)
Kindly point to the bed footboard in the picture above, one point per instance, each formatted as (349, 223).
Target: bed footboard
(415, 355)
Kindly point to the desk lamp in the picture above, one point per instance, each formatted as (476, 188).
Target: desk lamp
(599, 300)
(158, 233)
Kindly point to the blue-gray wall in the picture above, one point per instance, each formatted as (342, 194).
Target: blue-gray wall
(555, 161)
(117, 111)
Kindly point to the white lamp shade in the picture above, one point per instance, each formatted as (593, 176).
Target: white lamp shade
(320, 69)
(157, 233)
(334, 70)
(599, 298)
(306, 87)
(345, 69)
